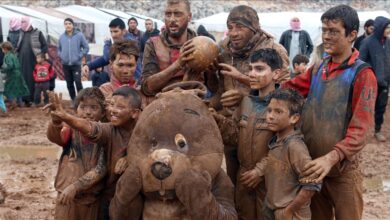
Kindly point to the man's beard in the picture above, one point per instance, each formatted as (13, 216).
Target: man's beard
(177, 34)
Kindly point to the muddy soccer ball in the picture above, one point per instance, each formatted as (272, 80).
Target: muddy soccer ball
(205, 53)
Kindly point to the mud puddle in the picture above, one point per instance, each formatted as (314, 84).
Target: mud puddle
(29, 152)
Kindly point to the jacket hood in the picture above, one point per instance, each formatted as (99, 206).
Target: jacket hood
(380, 24)
(75, 31)
(154, 31)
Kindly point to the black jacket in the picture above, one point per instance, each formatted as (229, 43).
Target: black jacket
(203, 32)
(375, 50)
(146, 37)
(305, 43)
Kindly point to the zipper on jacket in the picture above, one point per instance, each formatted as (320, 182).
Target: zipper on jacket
(69, 39)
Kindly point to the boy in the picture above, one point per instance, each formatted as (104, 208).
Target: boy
(286, 198)
(43, 72)
(248, 129)
(100, 77)
(337, 117)
(299, 64)
(124, 108)
(82, 164)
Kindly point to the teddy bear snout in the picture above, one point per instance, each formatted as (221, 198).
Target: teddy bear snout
(161, 170)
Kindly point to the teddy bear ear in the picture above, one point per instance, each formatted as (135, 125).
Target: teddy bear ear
(195, 88)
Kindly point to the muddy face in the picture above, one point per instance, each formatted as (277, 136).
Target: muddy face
(175, 133)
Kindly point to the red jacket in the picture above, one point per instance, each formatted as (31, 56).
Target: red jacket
(363, 104)
(43, 72)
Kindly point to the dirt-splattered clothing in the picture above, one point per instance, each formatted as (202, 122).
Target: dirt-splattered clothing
(82, 164)
(286, 160)
(340, 104)
(159, 54)
(109, 87)
(247, 130)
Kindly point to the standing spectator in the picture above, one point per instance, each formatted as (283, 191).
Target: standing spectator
(150, 32)
(14, 31)
(133, 29)
(296, 41)
(375, 50)
(201, 31)
(72, 47)
(99, 77)
(43, 72)
(368, 30)
(31, 42)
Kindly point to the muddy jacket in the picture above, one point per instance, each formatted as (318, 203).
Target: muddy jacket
(159, 54)
(242, 62)
(247, 128)
(286, 160)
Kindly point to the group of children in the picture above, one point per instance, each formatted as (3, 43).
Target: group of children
(15, 87)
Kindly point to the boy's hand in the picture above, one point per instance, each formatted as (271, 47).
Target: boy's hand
(229, 70)
(67, 195)
(121, 165)
(251, 178)
(55, 106)
(283, 214)
(231, 98)
(317, 169)
(217, 117)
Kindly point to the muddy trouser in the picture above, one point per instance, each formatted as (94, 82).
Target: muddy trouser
(232, 164)
(249, 202)
(72, 75)
(380, 106)
(301, 214)
(340, 196)
(75, 211)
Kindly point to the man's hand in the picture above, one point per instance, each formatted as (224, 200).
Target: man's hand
(231, 98)
(316, 170)
(217, 117)
(186, 53)
(229, 70)
(67, 195)
(251, 178)
(283, 214)
(121, 165)
(85, 71)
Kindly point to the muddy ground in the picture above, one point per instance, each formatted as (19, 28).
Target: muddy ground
(28, 163)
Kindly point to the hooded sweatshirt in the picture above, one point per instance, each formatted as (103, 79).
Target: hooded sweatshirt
(72, 48)
(375, 50)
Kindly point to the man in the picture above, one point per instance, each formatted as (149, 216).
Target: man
(163, 62)
(133, 30)
(244, 37)
(337, 117)
(296, 41)
(150, 32)
(368, 30)
(375, 50)
(72, 48)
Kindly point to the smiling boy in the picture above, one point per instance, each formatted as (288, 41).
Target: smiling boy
(248, 130)
(337, 117)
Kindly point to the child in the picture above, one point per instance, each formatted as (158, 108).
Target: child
(82, 164)
(337, 116)
(100, 77)
(3, 108)
(124, 110)
(248, 129)
(15, 87)
(286, 197)
(43, 73)
(299, 64)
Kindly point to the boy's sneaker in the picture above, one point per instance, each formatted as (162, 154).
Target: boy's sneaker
(380, 137)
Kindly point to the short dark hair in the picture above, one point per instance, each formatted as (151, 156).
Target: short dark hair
(300, 58)
(41, 54)
(117, 22)
(129, 92)
(294, 100)
(132, 19)
(7, 46)
(90, 93)
(126, 47)
(369, 23)
(269, 56)
(186, 2)
(344, 13)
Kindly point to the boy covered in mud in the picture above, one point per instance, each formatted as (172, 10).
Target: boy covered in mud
(124, 108)
(248, 129)
(286, 197)
(82, 163)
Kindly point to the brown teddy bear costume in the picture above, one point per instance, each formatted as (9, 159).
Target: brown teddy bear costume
(175, 156)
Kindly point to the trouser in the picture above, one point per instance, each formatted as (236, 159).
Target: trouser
(302, 214)
(39, 88)
(380, 106)
(340, 197)
(76, 211)
(249, 202)
(2, 104)
(18, 100)
(53, 83)
(72, 74)
(232, 164)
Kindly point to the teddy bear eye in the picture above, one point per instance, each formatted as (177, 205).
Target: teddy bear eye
(153, 142)
(180, 141)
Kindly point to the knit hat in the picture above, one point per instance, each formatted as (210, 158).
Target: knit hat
(70, 20)
(246, 16)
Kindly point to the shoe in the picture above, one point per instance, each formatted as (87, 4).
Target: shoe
(380, 137)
